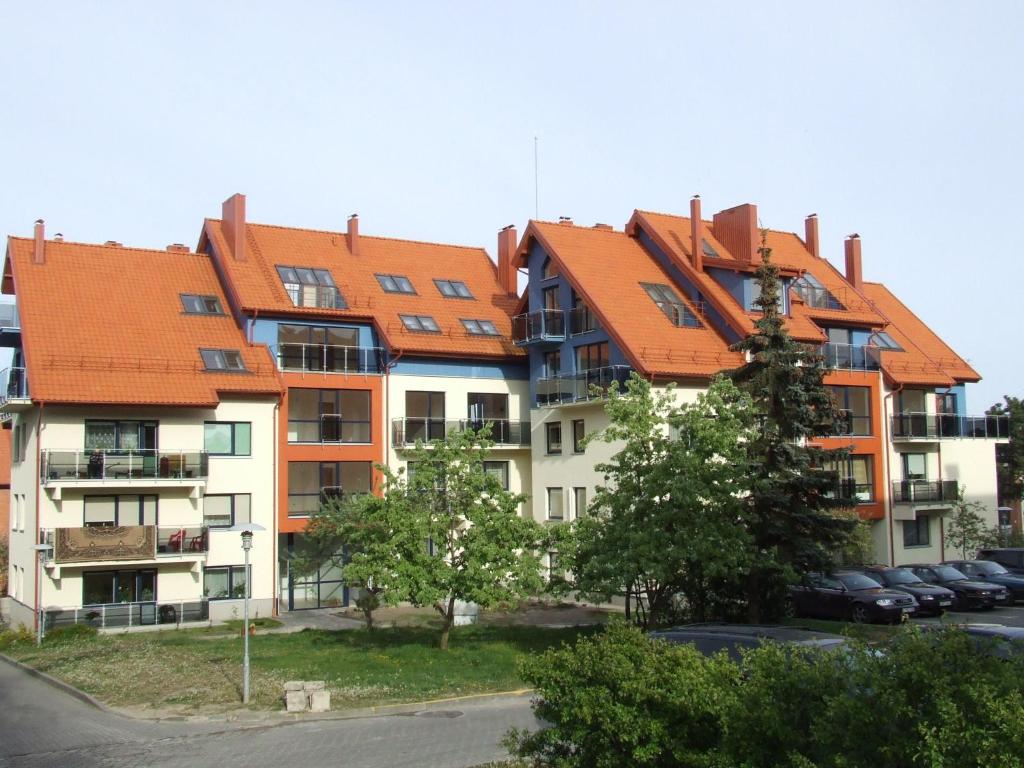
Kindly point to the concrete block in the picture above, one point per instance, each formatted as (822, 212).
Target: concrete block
(295, 701)
(320, 701)
(293, 685)
(313, 685)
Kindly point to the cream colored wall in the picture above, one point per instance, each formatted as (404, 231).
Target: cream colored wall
(24, 489)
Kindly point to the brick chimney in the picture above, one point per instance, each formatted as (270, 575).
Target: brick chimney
(811, 234)
(854, 273)
(39, 249)
(233, 218)
(508, 275)
(353, 234)
(736, 229)
(696, 234)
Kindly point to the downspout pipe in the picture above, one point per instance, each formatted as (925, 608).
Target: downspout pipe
(39, 529)
(888, 469)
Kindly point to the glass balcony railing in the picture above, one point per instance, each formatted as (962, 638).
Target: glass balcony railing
(71, 466)
(541, 325)
(918, 491)
(575, 387)
(408, 431)
(174, 540)
(9, 316)
(15, 385)
(853, 357)
(328, 358)
(942, 426)
(323, 296)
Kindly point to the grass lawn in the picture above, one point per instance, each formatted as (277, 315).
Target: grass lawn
(189, 671)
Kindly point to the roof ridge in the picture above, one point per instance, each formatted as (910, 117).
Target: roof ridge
(118, 247)
(363, 236)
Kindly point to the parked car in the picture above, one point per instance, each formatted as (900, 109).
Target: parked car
(969, 593)
(711, 638)
(850, 595)
(1011, 558)
(1002, 641)
(931, 598)
(991, 571)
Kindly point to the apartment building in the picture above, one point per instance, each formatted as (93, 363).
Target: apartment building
(143, 426)
(667, 295)
(380, 343)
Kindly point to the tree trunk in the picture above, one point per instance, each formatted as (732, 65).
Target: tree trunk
(449, 619)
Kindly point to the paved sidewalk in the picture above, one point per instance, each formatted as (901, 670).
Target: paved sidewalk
(314, 618)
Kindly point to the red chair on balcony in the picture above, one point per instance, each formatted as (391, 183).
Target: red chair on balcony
(176, 540)
(198, 543)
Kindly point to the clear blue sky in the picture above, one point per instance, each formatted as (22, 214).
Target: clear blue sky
(900, 121)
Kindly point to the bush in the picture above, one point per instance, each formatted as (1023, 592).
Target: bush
(9, 638)
(71, 633)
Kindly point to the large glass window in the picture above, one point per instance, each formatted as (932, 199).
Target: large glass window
(917, 532)
(424, 416)
(222, 510)
(669, 302)
(224, 583)
(855, 405)
(553, 436)
(552, 363)
(555, 499)
(312, 482)
(579, 502)
(308, 287)
(228, 438)
(127, 509)
(328, 416)
(583, 319)
(591, 356)
(915, 466)
(498, 469)
(105, 587)
(319, 348)
(120, 435)
(855, 477)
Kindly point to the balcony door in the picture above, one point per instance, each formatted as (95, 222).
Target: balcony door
(424, 416)
(946, 414)
(491, 407)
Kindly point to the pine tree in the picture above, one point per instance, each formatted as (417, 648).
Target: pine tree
(793, 496)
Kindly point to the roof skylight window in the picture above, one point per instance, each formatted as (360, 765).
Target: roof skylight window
(395, 284)
(883, 340)
(814, 294)
(480, 327)
(453, 289)
(308, 287)
(222, 359)
(201, 305)
(673, 307)
(709, 250)
(420, 323)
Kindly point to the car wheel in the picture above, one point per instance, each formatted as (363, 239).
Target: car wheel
(860, 614)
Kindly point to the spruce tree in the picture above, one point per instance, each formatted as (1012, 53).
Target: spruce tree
(793, 497)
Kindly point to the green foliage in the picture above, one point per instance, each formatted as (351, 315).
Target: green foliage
(12, 638)
(929, 699)
(666, 524)
(859, 547)
(1010, 457)
(792, 494)
(967, 531)
(71, 633)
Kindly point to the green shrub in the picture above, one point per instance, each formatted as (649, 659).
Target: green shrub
(70, 634)
(9, 638)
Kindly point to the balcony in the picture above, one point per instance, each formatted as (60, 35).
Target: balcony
(542, 326)
(111, 469)
(853, 424)
(127, 615)
(932, 426)
(924, 491)
(322, 296)
(849, 488)
(504, 433)
(329, 429)
(103, 544)
(575, 387)
(327, 358)
(851, 357)
(14, 397)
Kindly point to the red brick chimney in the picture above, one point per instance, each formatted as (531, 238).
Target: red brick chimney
(854, 273)
(353, 234)
(696, 234)
(736, 229)
(811, 234)
(508, 275)
(39, 249)
(233, 218)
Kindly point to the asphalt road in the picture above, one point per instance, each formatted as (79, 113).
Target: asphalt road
(42, 727)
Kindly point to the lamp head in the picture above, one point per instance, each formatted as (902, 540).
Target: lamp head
(246, 539)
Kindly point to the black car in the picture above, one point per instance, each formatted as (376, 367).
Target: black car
(969, 593)
(1011, 558)
(711, 638)
(987, 570)
(849, 595)
(1004, 642)
(931, 598)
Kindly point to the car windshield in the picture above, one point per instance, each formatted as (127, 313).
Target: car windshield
(857, 581)
(948, 573)
(990, 569)
(901, 576)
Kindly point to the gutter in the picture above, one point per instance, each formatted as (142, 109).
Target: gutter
(888, 470)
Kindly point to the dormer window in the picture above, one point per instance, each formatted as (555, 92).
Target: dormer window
(709, 250)
(222, 359)
(670, 303)
(420, 323)
(453, 289)
(883, 340)
(201, 305)
(308, 287)
(814, 294)
(480, 327)
(395, 284)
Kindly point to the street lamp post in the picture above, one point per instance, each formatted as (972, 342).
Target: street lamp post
(40, 550)
(246, 529)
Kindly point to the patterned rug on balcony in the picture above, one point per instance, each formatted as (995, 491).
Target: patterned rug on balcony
(80, 545)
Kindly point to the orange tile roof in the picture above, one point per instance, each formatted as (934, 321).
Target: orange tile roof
(606, 268)
(260, 289)
(105, 324)
(928, 360)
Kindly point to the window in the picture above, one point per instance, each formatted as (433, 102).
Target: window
(669, 302)
(550, 299)
(201, 305)
(498, 470)
(453, 289)
(552, 363)
(555, 504)
(578, 433)
(328, 415)
(579, 497)
(222, 360)
(120, 435)
(424, 416)
(105, 587)
(915, 466)
(480, 327)
(709, 250)
(547, 270)
(308, 287)
(885, 341)
(591, 356)
(223, 510)
(119, 510)
(855, 478)
(320, 348)
(228, 438)
(395, 284)
(813, 293)
(420, 323)
(917, 532)
(583, 319)
(553, 431)
(225, 583)
(312, 482)
(18, 443)
(855, 405)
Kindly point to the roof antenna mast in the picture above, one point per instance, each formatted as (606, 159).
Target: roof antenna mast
(536, 186)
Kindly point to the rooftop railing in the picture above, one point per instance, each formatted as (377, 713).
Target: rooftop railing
(917, 491)
(71, 466)
(407, 431)
(328, 358)
(575, 387)
(537, 326)
(909, 425)
(854, 357)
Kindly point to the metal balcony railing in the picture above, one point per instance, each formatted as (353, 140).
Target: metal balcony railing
(328, 358)
(917, 491)
(71, 466)
(15, 384)
(133, 614)
(575, 387)
(908, 425)
(854, 357)
(819, 298)
(853, 425)
(541, 325)
(407, 431)
(329, 428)
(849, 488)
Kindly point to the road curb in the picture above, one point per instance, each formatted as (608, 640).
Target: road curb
(60, 685)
